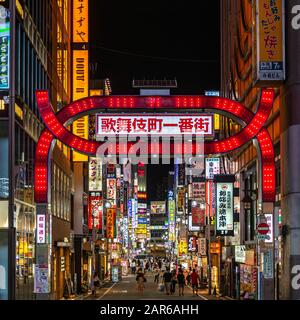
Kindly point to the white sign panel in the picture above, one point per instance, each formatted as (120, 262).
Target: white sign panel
(142, 125)
(95, 174)
(191, 227)
(212, 167)
(269, 221)
(224, 212)
(41, 228)
(240, 254)
(198, 190)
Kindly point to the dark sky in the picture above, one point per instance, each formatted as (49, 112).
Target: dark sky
(184, 35)
(186, 31)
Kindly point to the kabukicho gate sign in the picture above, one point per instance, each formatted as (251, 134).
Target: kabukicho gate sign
(253, 128)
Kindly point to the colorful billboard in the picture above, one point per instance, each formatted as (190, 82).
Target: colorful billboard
(158, 207)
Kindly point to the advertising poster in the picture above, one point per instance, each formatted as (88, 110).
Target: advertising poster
(41, 280)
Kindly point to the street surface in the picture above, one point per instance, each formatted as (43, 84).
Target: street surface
(126, 289)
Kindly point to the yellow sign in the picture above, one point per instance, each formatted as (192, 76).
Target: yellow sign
(182, 247)
(80, 21)
(80, 90)
(270, 46)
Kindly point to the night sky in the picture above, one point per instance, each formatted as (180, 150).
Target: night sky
(152, 40)
(184, 35)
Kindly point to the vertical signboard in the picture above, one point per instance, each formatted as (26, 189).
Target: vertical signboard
(202, 246)
(3, 264)
(268, 264)
(41, 228)
(270, 41)
(171, 209)
(192, 244)
(95, 174)
(111, 190)
(80, 67)
(110, 223)
(212, 167)
(269, 221)
(198, 191)
(95, 212)
(4, 48)
(198, 216)
(224, 214)
(182, 247)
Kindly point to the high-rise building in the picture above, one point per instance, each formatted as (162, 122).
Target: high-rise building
(259, 44)
(37, 41)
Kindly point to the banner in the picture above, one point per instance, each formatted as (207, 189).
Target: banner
(224, 216)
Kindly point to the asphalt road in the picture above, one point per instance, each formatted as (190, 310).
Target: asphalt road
(126, 289)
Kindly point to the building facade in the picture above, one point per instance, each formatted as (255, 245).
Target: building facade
(246, 30)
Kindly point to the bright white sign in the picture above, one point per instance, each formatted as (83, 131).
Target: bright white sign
(41, 228)
(95, 174)
(224, 213)
(240, 253)
(269, 221)
(212, 166)
(141, 125)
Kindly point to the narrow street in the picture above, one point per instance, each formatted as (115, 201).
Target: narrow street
(126, 290)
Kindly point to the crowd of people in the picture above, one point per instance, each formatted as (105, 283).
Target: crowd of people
(167, 275)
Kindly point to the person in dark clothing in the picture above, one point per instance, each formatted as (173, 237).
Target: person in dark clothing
(173, 282)
(181, 282)
(167, 276)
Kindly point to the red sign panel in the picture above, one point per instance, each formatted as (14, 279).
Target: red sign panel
(95, 212)
(198, 216)
(263, 228)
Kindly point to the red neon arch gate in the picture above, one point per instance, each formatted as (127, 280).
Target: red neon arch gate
(253, 128)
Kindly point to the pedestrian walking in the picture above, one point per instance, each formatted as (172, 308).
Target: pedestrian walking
(167, 277)
(140, 279)
(95, 282)
(156, 276)
(173, 282)
(194, 282)
(181, 282)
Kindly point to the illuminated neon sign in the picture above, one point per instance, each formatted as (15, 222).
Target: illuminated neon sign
(254, 128)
